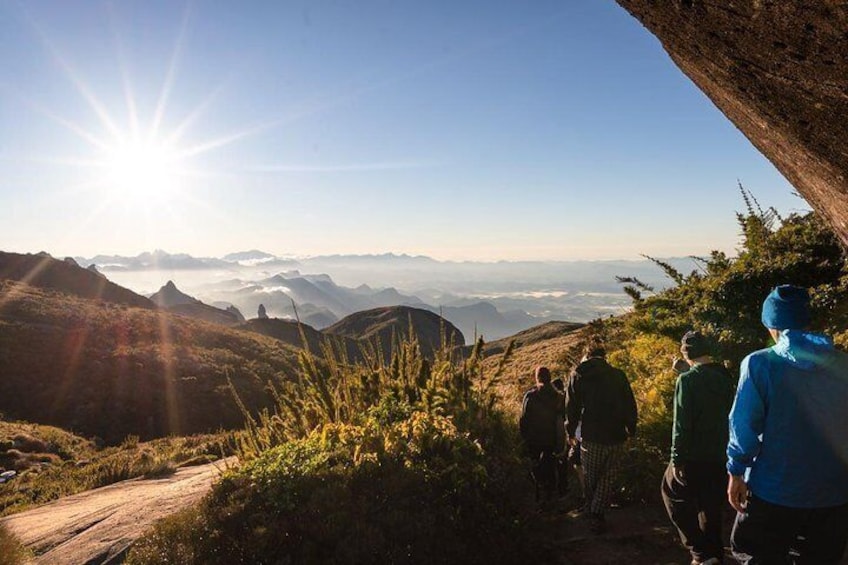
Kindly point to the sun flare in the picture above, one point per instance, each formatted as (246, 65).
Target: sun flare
(138, 169)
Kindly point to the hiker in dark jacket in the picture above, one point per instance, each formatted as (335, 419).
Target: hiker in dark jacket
(543, 433)
(600, 401)
(694, 482)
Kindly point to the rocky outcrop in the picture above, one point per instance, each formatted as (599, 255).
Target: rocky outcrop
(99, 526)
(236, 313)
(779, 71)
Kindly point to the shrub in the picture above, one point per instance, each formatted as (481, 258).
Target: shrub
(403, 461)
(723, 300)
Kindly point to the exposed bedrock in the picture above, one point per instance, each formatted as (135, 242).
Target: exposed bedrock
(779, 70)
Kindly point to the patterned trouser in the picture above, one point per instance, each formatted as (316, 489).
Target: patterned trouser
(600, 463)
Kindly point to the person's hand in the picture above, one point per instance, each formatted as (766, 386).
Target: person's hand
(679, 365)
(679, 472)
(572, 441)
(737, 493)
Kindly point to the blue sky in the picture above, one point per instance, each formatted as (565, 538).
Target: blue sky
(473, 130)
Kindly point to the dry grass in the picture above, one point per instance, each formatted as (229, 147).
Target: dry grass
(109, 370)
(63, 464)
(559, 352)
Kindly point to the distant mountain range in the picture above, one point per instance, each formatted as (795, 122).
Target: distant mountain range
(85, 354)
(489, 299)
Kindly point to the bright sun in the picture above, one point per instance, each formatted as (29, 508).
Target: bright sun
(137, 169)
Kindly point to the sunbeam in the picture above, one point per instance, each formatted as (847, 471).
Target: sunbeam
(126, 83)
(91, 138)
(169, 374)
(171, 74)
(82, 88)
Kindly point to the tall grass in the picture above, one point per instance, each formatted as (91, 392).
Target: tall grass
(331, 388)
(405, 458)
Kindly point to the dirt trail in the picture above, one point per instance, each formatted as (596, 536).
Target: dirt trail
(98, 526)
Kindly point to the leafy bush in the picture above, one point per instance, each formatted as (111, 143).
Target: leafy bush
(722, 299)
(407, 460)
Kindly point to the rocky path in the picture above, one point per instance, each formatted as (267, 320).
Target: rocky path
(98, 526)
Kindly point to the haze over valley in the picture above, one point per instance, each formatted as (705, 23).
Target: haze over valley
(493, 299)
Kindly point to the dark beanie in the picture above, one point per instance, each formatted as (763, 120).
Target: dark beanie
(543, 375)
(694, 345)
(787, 307)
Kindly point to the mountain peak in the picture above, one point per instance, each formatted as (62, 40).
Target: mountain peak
(169, 295)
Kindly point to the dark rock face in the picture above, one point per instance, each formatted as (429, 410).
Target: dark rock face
(779, 71)
(236, 313)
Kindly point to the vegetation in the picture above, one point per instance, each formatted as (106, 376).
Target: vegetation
(11, 551)
(108, 370)
(722, 299)
(403, 459)
(52, 463)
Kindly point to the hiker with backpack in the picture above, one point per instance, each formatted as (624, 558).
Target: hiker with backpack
(542, 426)
(563, 461)
(693, 484)
(600, 401)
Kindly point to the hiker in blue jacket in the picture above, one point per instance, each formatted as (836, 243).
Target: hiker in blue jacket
(788, 453)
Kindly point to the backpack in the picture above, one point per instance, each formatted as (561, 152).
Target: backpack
(541, 424)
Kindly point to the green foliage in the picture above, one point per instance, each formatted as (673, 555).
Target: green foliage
(646, 358)
(722, 299)
(399, 460)
(11, 551)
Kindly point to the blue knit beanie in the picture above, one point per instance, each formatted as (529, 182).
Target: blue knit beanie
(787, 308)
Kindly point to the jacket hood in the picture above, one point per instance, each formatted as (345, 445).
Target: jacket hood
(803, 349)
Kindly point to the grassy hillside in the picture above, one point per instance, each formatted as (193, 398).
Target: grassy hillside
(106, 369)
(392, 324)
(42, 270)
(52, 462)
(293, 333)
(556, 345)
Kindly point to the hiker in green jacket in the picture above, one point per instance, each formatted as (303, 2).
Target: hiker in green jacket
(694, 482)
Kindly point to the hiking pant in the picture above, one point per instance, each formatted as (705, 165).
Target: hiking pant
(600, 463)
(544, 472)
(696, 508)
(768, 533)
(562, 474)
